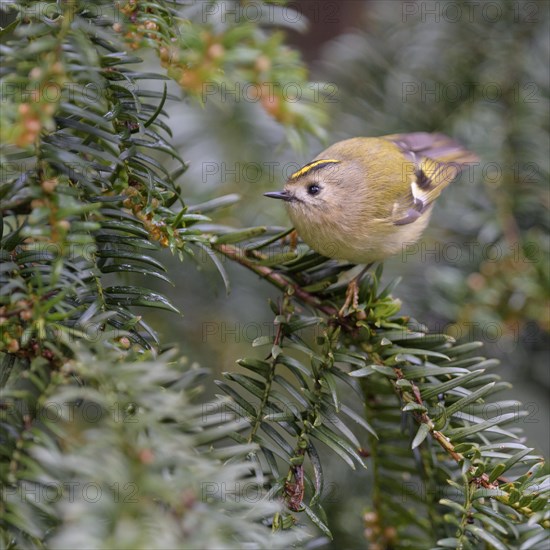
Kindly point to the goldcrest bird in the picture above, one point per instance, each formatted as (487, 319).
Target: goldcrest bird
(363, 199)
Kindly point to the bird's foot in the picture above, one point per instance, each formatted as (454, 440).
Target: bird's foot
(352, 299)
(352, 296)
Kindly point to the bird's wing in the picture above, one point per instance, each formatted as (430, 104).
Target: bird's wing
(437, 160)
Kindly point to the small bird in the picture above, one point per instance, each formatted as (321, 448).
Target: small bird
(363, 199)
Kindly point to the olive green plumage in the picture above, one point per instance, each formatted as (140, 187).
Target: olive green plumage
(364, 199)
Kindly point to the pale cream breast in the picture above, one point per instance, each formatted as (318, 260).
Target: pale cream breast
(375, 241)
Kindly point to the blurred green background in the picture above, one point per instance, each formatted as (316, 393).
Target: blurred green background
(474, 70)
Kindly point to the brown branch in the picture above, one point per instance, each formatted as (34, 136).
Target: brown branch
(275, 278)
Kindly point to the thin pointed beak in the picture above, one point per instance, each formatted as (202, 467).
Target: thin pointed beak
(283, 195)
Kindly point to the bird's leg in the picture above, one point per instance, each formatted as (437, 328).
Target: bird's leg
(292, 239)
(352, 292)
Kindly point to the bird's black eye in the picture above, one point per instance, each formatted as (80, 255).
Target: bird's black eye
(313, 189)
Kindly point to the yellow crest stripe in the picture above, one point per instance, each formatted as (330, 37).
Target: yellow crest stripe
(308, 167)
